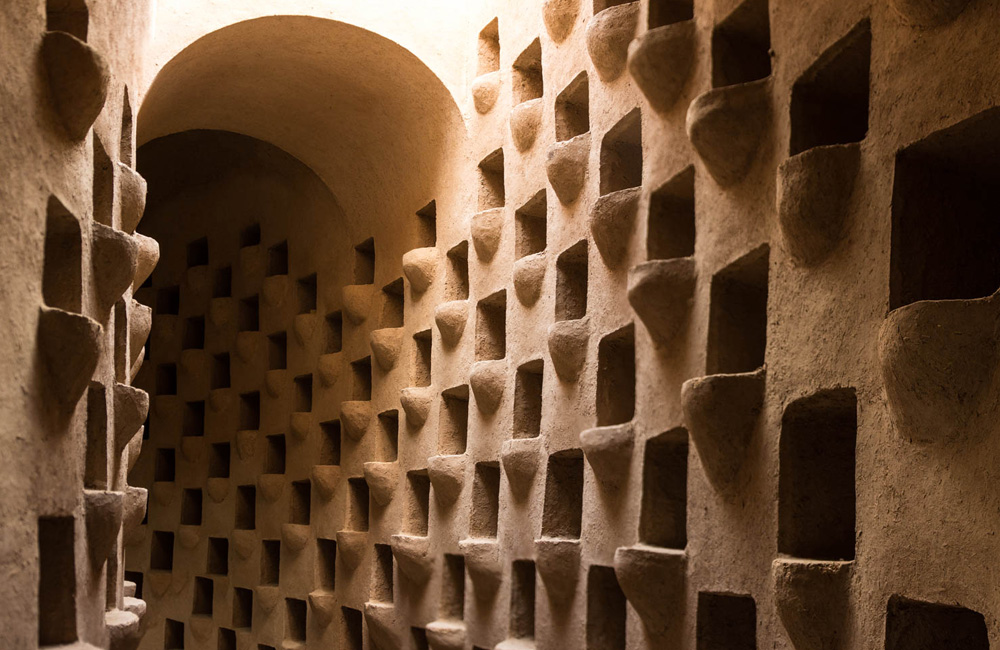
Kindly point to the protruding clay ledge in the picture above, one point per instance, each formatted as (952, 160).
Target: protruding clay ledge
(487, 227)
(414, 556)
(608, 36)
(217, 488)
(351, 546)
(246, 444)
(192, 448)
(147, 255)
(525, 119)
(250, 263)
(811, 599)
(124, 628)
(386, 344)
(274, 292)
(720, 413)
(196, 284)
(271, 486)
(568, 347)
(140, 322)
(451, 318)
(660, 62)
(357, 301)
(446, 634)
(938, 360)
(193, 366)
(559, 17)
(355, 416)
(325, 479)
(814, 192)
(131, 408)
(726, 125)
(304, 327)
(274, 382)
(201, 626)
(244, 543)
(70, 346)
(221, 312)
(612, 220)
(529, 274)
(132, 450)
(381, 619)
(114, 257)
(295, 536)
(929, 13)
(249, 345)
(482, 561)
(661, 292)
(133, 508)
(653, 580)
(566, 167)
(78, 79)
(487, 380)
(609, 451)
(516, 644)
(382, 478)
(485, 91)
(104, 512)
(520, 459)
(299, 425)
(131, 197)
(266, 596)
(447, 476)
(416, 403)
(420, 266)
(558, 563)
(188, 536)
(329, 368)
(164, 492)
(323, 603)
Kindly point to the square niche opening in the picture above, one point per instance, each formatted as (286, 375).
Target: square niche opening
(491, 181)
(663, 511)
(527, 81)
(616, 377)
(737, 328)
(918, 625)
(606, 610)
(668, 12)
(573, 109)
(529, 226)
(741, 45)
(562, 513)
(364, 262)
(491, 327)
(417, 515)
(453, 421)
(277, 259)
(726, 622)
(457, 282)
(670, 229)
(489, 48)
(621, 155)
(427, 226)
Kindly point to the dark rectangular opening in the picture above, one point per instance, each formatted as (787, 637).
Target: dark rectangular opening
(670, 228)
(527, 79)
(522, 599)
(173, 635)
(227, 639)
(250, 236)
(62, 271)
(277, 351)
(830, 99)
(452, 604)
(96, 466)
(737, 329)
(457, 284)
(57, 580)
(453, 421)
(427, 226)
(491, 327)
(726, 622)
(329, 452)
(422, 344)
(388, 442)
(334, 332)
(392, 304)
(242, 607)
(361, 384)
(194, 333)
(222, 285)
(303, 394)
(353, 629)
(70, 16)
(571, 282)
(605, 610)
(573, 109)
(307, 294)
(197, 252)
(491, 183)
(485, 515)
(616, 377)
(246, 507)
(418, 637)
(295, 619)
(918, 625)
(364, 262)
(528, 400)
(274, 461)
(121, 352)
(220, 371)
(277, 259)
(663, 515)
(301, 502)
(489, 48)
(381, 589)
(249, 411)
(621, 155)
(270, 561)
(326, 563)
(357, 511)
(249, 314)
(668, 12)
(741, 45)
(194, 419)
(168, 301)
(816, 490)
(562, 512)
(161, 551)
(530, 225)
(135, 577)
(165, 466)
(945, 233)
(166, 379)
(218, 556)
(418, 505)
(191, 507)
(203, 591)
(104, 183)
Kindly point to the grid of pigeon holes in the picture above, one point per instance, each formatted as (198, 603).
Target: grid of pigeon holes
(516, 524)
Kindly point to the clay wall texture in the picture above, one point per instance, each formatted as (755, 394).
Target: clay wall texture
(662, 324)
